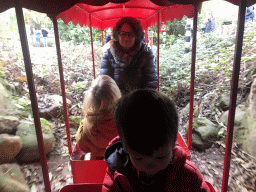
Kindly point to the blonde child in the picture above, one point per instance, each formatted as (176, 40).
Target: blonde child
(98, 126)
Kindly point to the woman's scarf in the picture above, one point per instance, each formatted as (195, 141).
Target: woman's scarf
(121, 57)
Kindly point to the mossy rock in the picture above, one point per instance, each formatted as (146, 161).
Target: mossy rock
(30, 151)
(4, 93)
(8, 86)
(204, 133)
(6, 98)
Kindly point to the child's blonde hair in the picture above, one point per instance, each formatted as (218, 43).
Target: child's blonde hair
(100, 96)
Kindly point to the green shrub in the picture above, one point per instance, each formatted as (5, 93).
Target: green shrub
(77, 34)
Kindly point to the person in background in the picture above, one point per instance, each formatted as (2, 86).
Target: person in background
(32, 35)
(45, 35)
(249, 16)
(38, 37)
(210, 25)
(128, 61)
(108, 37)
(145, 156)
(98, 126)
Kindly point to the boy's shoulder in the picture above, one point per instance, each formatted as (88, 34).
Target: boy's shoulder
(185, 169)
(180, 160)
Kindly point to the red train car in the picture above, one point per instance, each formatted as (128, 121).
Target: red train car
(102, 15)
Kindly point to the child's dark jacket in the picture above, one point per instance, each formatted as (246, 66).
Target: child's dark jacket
(180, 175)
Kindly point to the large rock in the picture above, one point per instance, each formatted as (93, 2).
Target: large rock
(250, 144)
(4, 98)
(251, 110)
(30, 151)
(12, 179)
(239, 117)
(8, 86)
(204, 133)
(10, 146)
(240, 132)
(8, 124)
(55, 109)
(224, 101)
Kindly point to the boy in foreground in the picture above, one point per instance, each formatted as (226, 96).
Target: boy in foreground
(146, 157)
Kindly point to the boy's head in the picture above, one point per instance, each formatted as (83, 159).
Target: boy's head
(147, 122)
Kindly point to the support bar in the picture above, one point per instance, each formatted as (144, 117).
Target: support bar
(62, 83)
(92, 48)
(102, 39)
(158, 29)
(146, 36)
(233, 94)
(192, 81)
(32, 93)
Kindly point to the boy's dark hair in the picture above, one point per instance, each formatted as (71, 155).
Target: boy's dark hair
(146, 120)
(134, 24)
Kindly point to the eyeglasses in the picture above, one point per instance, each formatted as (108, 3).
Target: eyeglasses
(123, 34)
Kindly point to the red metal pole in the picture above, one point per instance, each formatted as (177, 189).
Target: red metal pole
(192, 81)
(233, 95)
(57, 41)
(92, 47)
(32, 93)
(146, 36)
(102, 38)
(158, 29)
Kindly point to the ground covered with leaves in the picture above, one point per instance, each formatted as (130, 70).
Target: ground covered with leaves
(213, 76)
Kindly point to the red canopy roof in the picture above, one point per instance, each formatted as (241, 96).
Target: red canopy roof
(104, 13)
(106, 16)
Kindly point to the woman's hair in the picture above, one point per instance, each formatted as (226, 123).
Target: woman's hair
(146, 120)
(134, 24)
(100, 96)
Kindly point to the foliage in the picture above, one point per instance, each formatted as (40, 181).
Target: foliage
(176, 27)
(78, 87)
(36, 19)
(174, 66)
(2, 69)
(46, 126)
(77, 34)
(8, 21)
(23, 105)
(2, 75)
(8, 24)
(174, 30)
(75, 119)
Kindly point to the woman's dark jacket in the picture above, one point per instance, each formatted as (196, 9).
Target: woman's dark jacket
(140, 73)
(108, 38)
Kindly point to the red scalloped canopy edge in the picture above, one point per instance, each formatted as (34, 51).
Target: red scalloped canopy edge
(105, 13)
